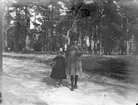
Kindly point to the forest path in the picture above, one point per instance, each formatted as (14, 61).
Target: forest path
(27, 82)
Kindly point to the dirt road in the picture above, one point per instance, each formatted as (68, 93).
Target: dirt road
(27, 82)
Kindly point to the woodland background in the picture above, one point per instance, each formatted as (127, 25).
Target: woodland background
(102, 26)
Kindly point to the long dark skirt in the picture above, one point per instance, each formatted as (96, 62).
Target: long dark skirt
(59, 72)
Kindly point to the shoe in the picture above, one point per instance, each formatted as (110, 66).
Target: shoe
(60, 85)
(72, 83)
(60, 82)
(72, 89)
(75, 87)
(56, 85)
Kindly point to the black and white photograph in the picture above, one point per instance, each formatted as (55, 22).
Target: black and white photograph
(69, 52)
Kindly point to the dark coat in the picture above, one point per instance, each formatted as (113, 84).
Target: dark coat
(73, 60)
(58, 71)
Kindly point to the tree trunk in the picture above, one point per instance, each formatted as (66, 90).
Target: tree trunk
(136, 47)
(127, 39)
(15, 44)
(5, 44)
(101, 44)
(28, 38)
(105, 47)
(95, 40)
(52, 29)
(122, 46)
(128, 47)
(17, 33)
(49, 40)
(90, 38)
(16, 38)
(45, 40)
(27, 43)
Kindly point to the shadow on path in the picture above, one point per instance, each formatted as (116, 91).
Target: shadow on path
(51, 82)
(114, 74)
(113, 68)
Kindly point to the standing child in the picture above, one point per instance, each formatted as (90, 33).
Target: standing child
(58, 68)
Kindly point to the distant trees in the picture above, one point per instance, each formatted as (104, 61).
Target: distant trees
(102, 26)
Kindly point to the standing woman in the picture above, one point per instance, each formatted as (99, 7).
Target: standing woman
(73, 62)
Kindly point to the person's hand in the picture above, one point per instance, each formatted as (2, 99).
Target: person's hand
(75, 47)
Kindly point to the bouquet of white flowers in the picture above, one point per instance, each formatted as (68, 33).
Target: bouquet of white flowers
(53, 64)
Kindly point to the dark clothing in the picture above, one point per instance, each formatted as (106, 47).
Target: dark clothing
(58, 71)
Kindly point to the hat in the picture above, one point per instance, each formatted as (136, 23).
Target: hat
(60, 50)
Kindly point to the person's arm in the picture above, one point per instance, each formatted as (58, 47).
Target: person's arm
(79, 51)
(67, 54)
